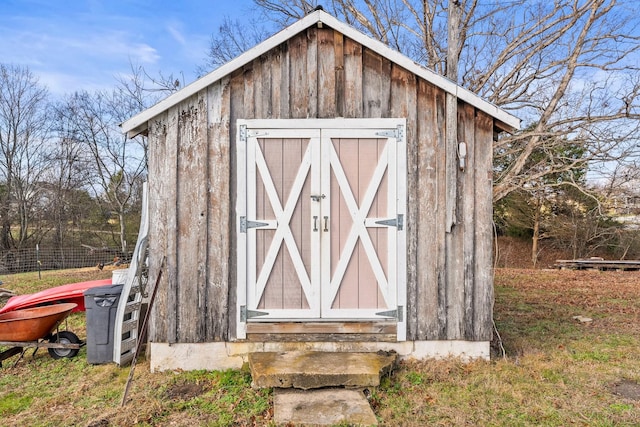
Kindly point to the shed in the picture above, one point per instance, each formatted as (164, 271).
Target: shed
(312, 193)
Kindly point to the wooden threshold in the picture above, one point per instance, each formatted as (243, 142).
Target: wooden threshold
(322, 331)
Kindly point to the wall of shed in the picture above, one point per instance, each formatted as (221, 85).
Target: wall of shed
(317, 74)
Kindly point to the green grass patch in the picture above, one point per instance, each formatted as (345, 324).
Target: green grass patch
(13, 403)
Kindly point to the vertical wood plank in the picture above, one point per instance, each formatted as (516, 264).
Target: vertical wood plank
(312, 72)
(267, 93)
(191, 220)
(249, 97)
(372, 84)
(158, 225)
(275, 74)
(441, 236)
(403, 96)
(303, 211)
(426, 198)
(385, 88)
(273, 295)
(483, 298)
(353, 79)
(261, 89)
(298, 79)
(327, 73)
(219, 312)
(467, 198)
(170, 195)
(348, 153)
(293, 152)
(284, 91)
(455, 238)
(404, 104)
(201, 211)
(338, 46)
(365, 167)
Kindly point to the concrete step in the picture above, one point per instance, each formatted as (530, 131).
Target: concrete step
(327, 406)
(312, 369)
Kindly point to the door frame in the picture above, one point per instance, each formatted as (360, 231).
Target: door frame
(388, 127)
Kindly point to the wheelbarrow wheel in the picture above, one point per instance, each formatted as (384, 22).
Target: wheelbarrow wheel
(64, 337)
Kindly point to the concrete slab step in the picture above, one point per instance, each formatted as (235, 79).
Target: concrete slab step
(312, 369)
(329, 406)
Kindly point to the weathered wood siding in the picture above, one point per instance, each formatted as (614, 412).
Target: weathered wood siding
(189, 206)
(318, 74)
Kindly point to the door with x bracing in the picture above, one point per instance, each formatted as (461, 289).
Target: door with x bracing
(321, 219)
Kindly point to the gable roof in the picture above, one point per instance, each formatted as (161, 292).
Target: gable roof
(138, 123)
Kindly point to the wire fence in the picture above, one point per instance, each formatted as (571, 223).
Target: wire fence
(41, 259)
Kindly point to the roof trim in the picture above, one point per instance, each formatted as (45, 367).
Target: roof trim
(138, 123)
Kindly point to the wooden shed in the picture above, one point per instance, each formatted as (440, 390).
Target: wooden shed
(312, 193)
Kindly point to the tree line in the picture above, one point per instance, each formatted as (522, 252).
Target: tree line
(569, 69)
(68, 176)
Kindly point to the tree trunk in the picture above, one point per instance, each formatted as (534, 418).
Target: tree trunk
(123, 229)
(5, 233)
(536, 236)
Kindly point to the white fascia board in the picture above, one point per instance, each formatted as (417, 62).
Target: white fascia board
(138, 123)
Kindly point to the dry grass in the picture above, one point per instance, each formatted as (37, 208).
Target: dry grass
(557, 372)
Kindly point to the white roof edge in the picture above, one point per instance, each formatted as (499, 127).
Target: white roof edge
(138, 123)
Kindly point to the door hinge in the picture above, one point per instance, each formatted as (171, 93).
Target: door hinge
(397, 133)
(248, 314)
(245, 133)
(395, 314)
(245, 224)
(256, 134)
(397, 222)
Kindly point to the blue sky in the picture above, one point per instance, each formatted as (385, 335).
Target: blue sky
(83, 44)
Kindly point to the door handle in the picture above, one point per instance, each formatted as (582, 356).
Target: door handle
(315, 223)
(317, 198)
(326, 223)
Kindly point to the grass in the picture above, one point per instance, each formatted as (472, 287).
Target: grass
(556, 371)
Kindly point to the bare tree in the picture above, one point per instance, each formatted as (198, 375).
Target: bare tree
(232, 38)
(140, 90)
(576, 78)
(114, 163)
(67, 177)
(24, 129)
(569, 67)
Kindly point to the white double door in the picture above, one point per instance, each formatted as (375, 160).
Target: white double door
(321, 209)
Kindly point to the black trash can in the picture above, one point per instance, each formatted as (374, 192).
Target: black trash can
(101, 304)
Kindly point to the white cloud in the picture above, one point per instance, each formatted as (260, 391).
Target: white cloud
(83, 45)
(74, 60)
(176, 33)
(60, 83)
(143, 53)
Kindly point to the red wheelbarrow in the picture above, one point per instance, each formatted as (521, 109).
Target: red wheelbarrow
(72, 292)
(37, 328)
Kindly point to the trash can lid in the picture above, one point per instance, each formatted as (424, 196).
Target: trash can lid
(104, 290)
